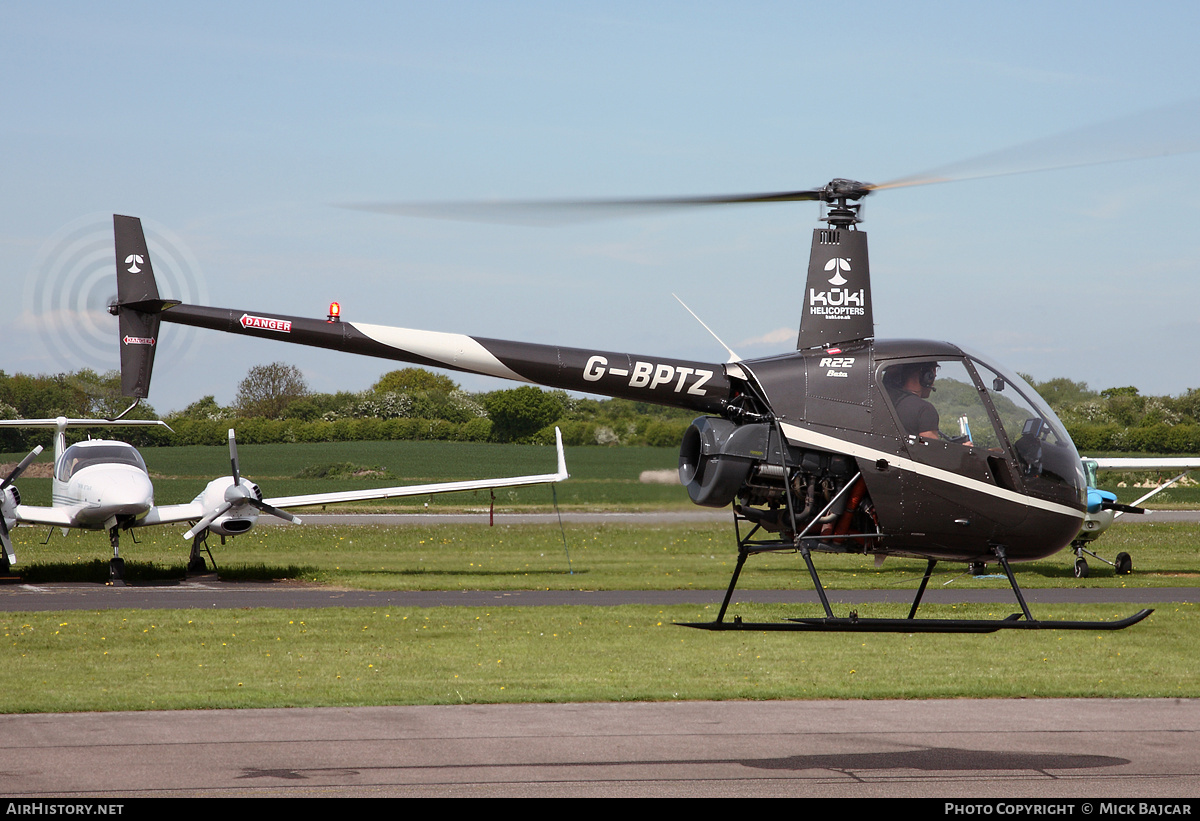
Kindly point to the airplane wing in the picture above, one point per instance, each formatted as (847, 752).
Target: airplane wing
(172, 514)
(1183, 464)
(338, 497)
(1150, 463)
(53, 516)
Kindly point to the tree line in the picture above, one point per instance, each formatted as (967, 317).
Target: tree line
(274, 404)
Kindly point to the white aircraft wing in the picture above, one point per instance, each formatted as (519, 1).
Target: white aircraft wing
(337, 497)
(1149, 463)
(54, 516)
(171, 514)
(1184, 464)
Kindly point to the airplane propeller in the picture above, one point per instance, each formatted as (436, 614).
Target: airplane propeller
(9, 553)
(237, 495)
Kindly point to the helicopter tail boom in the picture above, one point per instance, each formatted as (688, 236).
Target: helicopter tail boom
(695, 385)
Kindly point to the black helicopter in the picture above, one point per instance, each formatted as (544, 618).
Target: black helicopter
(849, 444)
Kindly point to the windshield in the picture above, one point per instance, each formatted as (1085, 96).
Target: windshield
(83, 455)
(1044, 451)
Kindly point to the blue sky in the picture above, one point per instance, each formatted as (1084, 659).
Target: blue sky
(233, 130)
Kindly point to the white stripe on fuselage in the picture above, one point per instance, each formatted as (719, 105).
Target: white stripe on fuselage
(455, 350)
(805, 436)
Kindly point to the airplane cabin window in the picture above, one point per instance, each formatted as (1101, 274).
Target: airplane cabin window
(77, 457)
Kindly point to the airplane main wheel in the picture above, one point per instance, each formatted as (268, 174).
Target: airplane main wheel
(1123, 565)
(1081, 569)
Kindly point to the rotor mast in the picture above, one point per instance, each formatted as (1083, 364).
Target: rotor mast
(836, 306)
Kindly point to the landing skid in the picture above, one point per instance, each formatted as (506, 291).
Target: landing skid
(853, 624)
(911, 625)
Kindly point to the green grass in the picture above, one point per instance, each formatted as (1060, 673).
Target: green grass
(601, 557)
(193, 659)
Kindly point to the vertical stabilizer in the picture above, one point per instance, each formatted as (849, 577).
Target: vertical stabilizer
(138, 306)
(837, 296)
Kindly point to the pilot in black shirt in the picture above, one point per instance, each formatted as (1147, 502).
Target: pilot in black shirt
(909, 393)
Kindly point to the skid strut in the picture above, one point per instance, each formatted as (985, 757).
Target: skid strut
(853, 624)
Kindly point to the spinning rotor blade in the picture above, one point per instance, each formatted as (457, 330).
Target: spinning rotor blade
(1160, 132)
(1172, 129)
(549, 212)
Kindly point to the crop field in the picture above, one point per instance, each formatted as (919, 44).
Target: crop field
(601, 478)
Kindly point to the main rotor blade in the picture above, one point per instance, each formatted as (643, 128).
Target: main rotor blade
(557, 212)
(1160, 132)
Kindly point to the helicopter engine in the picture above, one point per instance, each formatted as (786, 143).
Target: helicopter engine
(721, 463)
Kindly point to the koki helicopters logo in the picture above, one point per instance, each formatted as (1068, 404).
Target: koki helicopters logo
(837, 302)
(134, 260)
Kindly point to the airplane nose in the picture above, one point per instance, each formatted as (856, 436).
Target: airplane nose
(129, 494)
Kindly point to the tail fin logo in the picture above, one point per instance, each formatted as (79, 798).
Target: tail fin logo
(837, 265)
(136, 259)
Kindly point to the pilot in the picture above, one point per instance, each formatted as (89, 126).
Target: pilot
(909, 389)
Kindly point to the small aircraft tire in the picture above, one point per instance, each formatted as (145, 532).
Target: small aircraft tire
(1081, 569)
(1123, 565)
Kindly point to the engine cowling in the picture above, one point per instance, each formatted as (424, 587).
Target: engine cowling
(718, 456)
(240, 518)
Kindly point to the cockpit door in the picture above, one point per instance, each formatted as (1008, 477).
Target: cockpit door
(962, 482)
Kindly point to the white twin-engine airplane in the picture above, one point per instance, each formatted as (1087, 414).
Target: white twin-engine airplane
(1103, 508)
(100, 484)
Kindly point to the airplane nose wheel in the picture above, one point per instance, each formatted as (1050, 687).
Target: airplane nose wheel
(1122, 565)
(116, 566)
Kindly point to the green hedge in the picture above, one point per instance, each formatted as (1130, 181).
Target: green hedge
(1150, 439)
(266, 431)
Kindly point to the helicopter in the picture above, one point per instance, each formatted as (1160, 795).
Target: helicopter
(840, 446)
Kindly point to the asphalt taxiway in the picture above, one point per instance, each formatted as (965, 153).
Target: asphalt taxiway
(997, 749)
